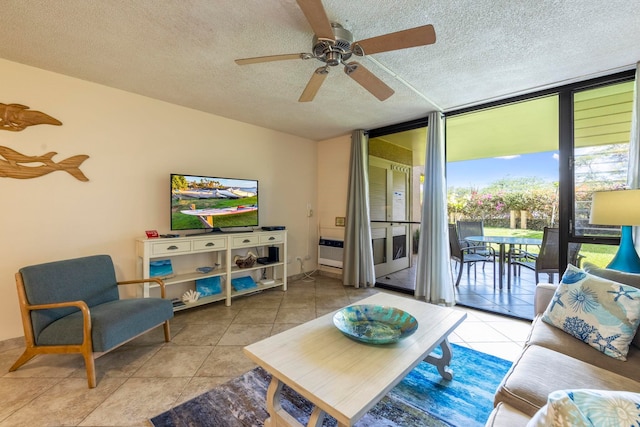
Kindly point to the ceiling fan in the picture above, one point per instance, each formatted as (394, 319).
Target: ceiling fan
(334, 45)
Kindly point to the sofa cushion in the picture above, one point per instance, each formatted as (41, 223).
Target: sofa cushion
(112, 323)
(570, 408)
(504, 415)
(539, 371)
(617, 276)
(550, 337)
(603, 313)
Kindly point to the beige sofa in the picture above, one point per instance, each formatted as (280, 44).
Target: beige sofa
(554, 360)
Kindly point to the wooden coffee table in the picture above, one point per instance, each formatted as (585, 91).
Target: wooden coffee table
(345, 378)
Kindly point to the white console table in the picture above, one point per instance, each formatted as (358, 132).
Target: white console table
(190, 252)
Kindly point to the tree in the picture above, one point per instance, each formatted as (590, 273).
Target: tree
(179, 182)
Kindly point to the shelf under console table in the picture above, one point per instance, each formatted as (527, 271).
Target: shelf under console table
(212, 250)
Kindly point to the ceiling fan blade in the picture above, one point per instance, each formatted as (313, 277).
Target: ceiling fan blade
(314, 12)
(314, 84)
(419, 36)
(271, 58)
(368, 80)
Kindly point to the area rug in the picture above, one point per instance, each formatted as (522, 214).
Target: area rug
(422, 398)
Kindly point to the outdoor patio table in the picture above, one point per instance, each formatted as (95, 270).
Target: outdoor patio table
(503, 241)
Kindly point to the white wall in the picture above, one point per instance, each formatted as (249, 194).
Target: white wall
(134, 143)
(333, 179)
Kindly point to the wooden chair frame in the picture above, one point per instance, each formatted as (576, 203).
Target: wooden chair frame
(86, 348)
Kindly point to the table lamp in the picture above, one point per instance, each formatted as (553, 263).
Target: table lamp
(621, 207)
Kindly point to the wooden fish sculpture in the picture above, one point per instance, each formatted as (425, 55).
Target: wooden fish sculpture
(16, 117)
(20, 166)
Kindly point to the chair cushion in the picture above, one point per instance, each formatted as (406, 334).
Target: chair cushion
(112, 323)
(90, 279)
(602, 313)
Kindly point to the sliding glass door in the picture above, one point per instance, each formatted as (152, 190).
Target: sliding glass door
(396, 168)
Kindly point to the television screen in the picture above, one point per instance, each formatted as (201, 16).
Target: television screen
(209, 203)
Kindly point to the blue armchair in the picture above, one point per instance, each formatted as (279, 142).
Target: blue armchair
(73, 306)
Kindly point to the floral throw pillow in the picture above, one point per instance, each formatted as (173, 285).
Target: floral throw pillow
(602, 313)
(588, 408)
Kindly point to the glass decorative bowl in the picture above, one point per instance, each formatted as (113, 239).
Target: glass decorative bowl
(375, 324)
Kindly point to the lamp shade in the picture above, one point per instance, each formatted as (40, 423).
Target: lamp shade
(620, 207)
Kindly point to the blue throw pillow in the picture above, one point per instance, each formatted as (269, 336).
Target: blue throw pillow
(600, 312)
(584, 407)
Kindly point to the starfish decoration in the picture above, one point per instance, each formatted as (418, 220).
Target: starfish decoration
(557, 300)
(605, 343)
(622, 293)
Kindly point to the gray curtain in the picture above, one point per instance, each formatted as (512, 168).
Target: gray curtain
(433, 273)
(633, 177)
(358, 251)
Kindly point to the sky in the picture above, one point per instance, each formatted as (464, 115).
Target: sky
(481, 173)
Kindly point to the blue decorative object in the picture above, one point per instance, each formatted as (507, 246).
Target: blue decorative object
(243, 283)
(208, 286)
(160, 268)
(627, 258)
(375, 324)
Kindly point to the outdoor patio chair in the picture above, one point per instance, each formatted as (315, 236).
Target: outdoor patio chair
(73, 306)
(548, 260)
(469, 228)
(469, 255)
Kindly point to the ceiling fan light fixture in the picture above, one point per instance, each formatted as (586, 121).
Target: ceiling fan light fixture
(333, 58)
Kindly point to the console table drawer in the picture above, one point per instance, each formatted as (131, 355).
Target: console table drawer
(199, 245)
(272, 238)
(167, 248)
(242, 241)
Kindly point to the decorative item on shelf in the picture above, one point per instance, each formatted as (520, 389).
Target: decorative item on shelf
(190, 296)
(243, 283)
(375, 324)
(208, 286)
(619, 207)
(247, 261)
(207, 269)
(161, 268)
(16, 117)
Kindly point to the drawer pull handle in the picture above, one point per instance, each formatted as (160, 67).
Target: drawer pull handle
(210, 244)
(172, 248)
(272, 238)
(246, 241)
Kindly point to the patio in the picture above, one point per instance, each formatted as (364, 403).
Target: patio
(476, 290)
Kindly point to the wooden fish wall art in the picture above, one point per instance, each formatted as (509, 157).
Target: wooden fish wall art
(16, 117)
(20, 166)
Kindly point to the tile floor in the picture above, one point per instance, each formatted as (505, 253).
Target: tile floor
(476, 289)
(148, 376)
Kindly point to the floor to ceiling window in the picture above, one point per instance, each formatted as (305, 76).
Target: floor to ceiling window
(517, 165)
(602, 125)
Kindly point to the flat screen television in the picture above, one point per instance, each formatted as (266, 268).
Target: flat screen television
(213, 203)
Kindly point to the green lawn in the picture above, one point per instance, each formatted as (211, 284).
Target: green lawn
(599, 255)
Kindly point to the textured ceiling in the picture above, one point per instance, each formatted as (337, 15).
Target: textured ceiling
(183, 51)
